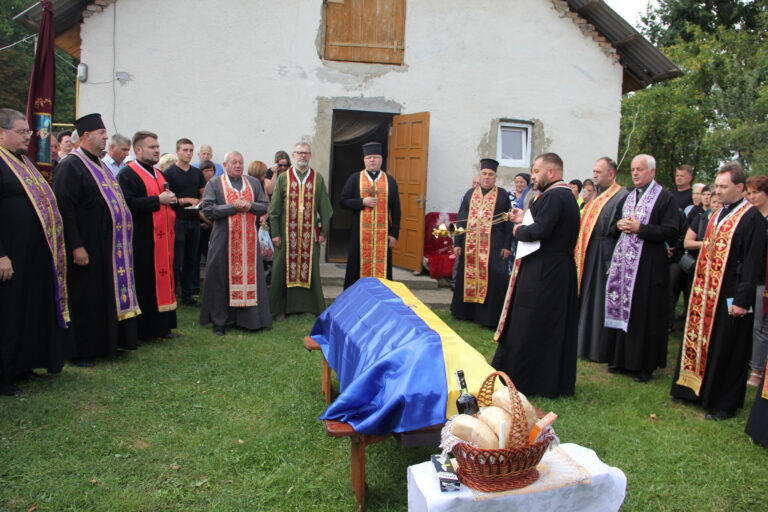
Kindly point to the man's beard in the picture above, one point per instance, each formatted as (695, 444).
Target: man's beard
(540, 185)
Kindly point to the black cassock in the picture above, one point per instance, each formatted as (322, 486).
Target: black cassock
(537, 347)
(730, 344)
(30, 337)
(151, 323)
(351, 199)
(757, 424)
(88, 223)
(644, 347)
(597, 261)
(488, 312)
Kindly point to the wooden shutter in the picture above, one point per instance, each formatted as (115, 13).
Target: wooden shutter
(365, 30)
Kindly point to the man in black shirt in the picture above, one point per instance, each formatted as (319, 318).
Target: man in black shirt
(187, 182)
(683, 193)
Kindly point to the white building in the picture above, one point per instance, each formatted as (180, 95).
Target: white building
(506, 79)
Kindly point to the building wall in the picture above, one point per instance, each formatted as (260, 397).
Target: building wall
(247, 75)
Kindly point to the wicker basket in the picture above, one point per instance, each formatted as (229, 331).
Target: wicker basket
(501, 470)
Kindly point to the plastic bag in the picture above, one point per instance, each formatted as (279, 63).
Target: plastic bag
(265, 244)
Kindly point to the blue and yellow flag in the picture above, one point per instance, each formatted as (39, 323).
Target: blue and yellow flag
(394, 358)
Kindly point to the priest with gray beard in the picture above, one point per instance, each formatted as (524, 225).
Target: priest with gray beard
(234, 290)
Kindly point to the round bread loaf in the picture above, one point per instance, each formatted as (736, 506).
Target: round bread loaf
(493, 417)
(474, 431)
(500, 398)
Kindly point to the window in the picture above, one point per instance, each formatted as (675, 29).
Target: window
(514, 145)
(365, 31)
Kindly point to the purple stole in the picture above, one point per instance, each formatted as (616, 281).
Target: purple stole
(42, 199)
(122, 238)
(625, 260)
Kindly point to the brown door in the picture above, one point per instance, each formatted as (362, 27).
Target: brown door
(408, 165)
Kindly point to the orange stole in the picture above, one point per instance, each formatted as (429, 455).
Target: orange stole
(588, 221)
(299, 228)
(162, 230)
(374, 227)
(477, 246)
(507, 300)
(705, 293)
(243, 247)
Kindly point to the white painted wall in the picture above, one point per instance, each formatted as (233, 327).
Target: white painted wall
(245, 74)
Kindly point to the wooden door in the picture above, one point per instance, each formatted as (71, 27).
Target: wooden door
(408, 146)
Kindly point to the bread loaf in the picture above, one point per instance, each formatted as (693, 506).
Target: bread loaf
(500, 398)
(492, 416)
(474, 431)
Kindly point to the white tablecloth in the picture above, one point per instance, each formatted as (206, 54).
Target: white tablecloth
(571, 478)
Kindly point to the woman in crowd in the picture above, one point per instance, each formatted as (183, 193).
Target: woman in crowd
(757, 194)
(282, 164)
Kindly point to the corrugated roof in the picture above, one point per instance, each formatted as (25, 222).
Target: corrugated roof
(643, 61)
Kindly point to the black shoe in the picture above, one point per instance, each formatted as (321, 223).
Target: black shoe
(189, 302)
(83, 362)
(718, 415)
(614, 369)
(643, 376)
(8, 389)
(218, 330)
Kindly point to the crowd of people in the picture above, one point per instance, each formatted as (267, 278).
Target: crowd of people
(596, 271)
(97, 261)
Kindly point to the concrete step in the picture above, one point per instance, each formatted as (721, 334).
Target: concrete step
(438, 298)
(332, 274)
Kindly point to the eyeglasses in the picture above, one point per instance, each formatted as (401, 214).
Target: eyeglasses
(282, 165)
(302, 153)
(22, 132)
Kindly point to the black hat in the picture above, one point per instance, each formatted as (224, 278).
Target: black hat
(89, 123)
(489, 163)
(372, 148)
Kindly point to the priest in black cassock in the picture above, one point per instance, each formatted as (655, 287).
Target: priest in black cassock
(151, 204)
(97, 230)
(594, 249)
(537, 328)
(33, 267)
(636, 298)
(717, 340)
(482, 276)
(372, 195)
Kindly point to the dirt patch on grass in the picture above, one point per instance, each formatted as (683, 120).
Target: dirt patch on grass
(140, 444)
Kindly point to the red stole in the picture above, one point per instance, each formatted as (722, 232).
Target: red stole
(708, 280)
(243, 247)
(588, 221)
(163, 234)
(299, 227)
(374, 227)
(477, 247)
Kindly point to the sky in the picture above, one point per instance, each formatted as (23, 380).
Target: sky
(628, 9)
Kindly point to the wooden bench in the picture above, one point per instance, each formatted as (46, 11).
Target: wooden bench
(421, 437)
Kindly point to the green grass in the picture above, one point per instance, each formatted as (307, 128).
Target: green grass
(205, 423)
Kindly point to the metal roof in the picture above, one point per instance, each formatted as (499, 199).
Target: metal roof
(643, 61)
(66, 14)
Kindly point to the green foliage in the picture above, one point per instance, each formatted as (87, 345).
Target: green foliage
(717, 111)
(17, 63)
(204, 423)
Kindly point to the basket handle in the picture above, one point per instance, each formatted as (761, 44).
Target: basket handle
(518, 431)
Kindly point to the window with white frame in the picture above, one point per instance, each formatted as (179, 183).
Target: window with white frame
(513, 147)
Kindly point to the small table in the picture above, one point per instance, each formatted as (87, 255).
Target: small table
(572, 478)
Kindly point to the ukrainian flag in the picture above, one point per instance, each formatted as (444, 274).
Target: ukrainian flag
(394, 358)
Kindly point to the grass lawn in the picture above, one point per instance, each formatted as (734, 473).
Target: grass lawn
(204, 423)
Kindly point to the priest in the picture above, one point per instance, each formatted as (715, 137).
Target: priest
(717, 340)
(33, 266)
(537, 327)
(150, 202)
(594, 249)
(98, 232)
(235, 289)
(373, 197)
(300, 217)
(482, 253)
(645, 222)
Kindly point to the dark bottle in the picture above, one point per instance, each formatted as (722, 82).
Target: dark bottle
(466, 403)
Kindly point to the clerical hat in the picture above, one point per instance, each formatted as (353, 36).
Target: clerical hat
(372, 148)
(489, 163)
(89, 123)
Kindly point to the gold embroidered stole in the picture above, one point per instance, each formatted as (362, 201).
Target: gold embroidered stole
(243, 247)
(374, 227)
(589, 219)
(299, 228)
(477, 246)
(702, 308)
